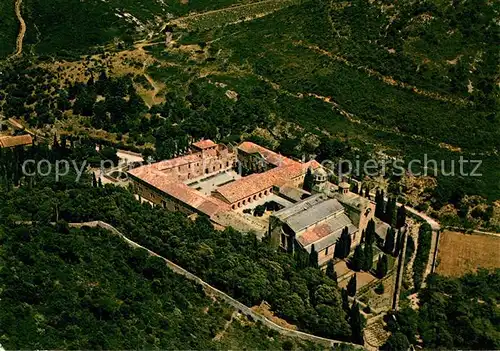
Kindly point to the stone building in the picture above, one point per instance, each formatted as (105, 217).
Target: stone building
(13, 141)
(166, 183)
(320, 219)
(317, 220)
(208, 181)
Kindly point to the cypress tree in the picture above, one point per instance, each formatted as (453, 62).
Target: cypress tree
(401, 217)
(308, 181)
(330, 271)
(351, 286)
(377, 201)
(368, 257)
(361, 189)
(55, 143)
(399, 243)
(99, 182)
(382, 266)
(367, 192)
(345, 300)
(94, 180)
(370, 232)
(343, 246)
(355, 188)
(390, 211)
(339, 249)
(313, 257)
(357, 324)
(390, 241)
(379, 204)
(348, 242)
(358, 258)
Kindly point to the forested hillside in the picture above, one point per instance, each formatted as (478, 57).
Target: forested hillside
(453, 314)
(65, 288)
(8, 28)
(86, 289)
(72, 27)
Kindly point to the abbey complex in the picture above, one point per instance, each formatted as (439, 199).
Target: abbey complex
(229, 183)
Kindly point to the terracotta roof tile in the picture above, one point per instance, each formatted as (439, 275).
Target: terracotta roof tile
(327, 232)
(20, 140)
(270, 156)
(169, 185)
(255, 183)
(204, 144)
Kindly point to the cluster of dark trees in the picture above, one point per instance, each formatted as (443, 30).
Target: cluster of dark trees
(393, 242)
(113, 104)
(86, 289)
(259, 210)
(422, 255)
(362, 258)
(388, 211)
(382, 266)
(13, 171)
(343, 245)
(453, 313)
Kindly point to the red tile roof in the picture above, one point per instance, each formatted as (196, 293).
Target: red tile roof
(315, 233)
(169, 185)
(255, 183)
(327, 232)
(11, 141)
(156, 176)
(204, 144)
(270, 156)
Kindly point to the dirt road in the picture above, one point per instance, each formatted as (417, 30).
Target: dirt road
(22, 30)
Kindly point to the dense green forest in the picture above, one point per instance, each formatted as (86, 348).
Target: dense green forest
(8, 28)
(279, 52)
(65, 288)
(453, 313)
(86, 289)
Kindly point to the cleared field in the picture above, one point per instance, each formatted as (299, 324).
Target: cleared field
(461, 253)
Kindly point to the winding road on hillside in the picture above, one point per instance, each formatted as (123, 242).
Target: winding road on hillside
(22, 30)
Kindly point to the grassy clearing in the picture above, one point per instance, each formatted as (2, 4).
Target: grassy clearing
(462, 253)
